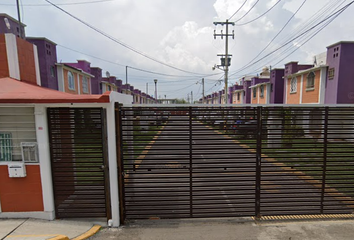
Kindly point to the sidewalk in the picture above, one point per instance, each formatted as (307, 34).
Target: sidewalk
(226, 229)
(34, 229)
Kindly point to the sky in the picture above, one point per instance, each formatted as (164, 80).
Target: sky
(175, 39)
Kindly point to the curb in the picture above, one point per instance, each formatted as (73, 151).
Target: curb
(87, 234)
(59, 237)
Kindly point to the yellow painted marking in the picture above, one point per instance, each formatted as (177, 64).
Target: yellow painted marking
(89, 233)
(272, 191)
(55, 236)
(140, 158)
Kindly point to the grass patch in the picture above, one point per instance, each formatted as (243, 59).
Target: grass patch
(307, 155)
(141, 139)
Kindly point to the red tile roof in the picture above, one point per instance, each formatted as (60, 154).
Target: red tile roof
(14, 91)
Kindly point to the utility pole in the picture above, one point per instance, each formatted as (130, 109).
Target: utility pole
(19, 18)
(126, 74)
(226, 62)
(203, 91)
(155, 81)
(192, 97)
(147, 88)
(188, 98)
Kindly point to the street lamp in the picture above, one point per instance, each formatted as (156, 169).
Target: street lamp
(155, 81)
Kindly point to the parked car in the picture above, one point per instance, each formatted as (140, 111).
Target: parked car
(248, 129)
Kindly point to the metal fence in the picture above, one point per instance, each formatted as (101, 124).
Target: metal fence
(197, 162)
(78, 156)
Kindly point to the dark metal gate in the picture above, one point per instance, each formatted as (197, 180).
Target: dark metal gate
(197, 162)
(79, 159)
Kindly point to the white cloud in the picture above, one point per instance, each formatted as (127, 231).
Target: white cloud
(179, 33)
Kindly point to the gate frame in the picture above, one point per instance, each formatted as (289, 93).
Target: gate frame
(105, 165)
(259, 108)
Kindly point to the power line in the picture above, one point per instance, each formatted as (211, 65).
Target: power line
(247, 12)
(59, 4)
(138, 69)
(291, 40)
(241, 24)
(214, 85)
(120, 42)
(304, 26)
(327, 9)
(313, 35)
(277, 33)
(332, 17)
(238, 9)
(169, 75)
(178, 90)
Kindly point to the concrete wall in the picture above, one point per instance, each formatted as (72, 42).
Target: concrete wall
(21, 194)
(346, 73)
(95, 81)
(19, 59)
(276, 79)
(47, 55)
(14, 26)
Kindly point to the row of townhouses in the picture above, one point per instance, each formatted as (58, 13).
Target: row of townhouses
(329, 80)
(76, 78)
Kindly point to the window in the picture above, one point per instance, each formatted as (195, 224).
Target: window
(331, 73)
(85, 88)
(18, 140)
(52, 71)
(262, 91)
(71, 82)
(238, 96)
(293, 85)
(109, 88)
(254, 92)
(310, 80)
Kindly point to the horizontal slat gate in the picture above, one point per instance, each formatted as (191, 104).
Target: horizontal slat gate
(78, 160)
(196, 162)
(177, 166)
(307, 164)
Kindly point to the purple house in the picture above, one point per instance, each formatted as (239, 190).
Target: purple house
(9, 24)
(237, 94)
(119, 84)
(246, 83)
(339, 87)
(294, 67)
(47, 58)
(96, 87)
(277, 86)
(81, 64)
(126, 88)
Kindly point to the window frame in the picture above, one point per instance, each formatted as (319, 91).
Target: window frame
(293, 85)
(261, 91)
(18, 130)
(331, 72)
(52, 71)
(85, 85)
(254, 92)
(71, 75)
(310, 78)
(238, 96)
